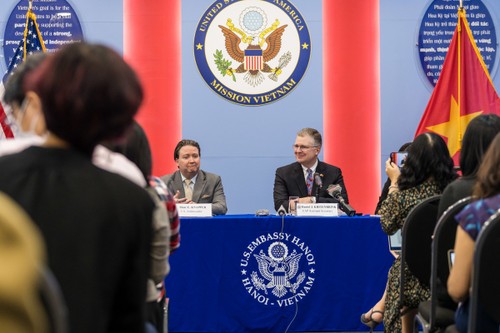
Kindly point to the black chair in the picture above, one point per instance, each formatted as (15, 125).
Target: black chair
(486, 273)
(430, 314)
(416, 244)
(53, 301)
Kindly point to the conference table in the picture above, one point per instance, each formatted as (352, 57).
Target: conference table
(247, 273)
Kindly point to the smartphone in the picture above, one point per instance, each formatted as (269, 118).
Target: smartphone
(398, 158)
(451, 258)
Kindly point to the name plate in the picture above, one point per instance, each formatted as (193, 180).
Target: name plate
(194, 210)
(317, 209)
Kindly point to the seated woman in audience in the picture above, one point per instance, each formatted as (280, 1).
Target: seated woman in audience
(477, 138)
(374, 317)
(96, 224)
(385, 189)
(427, 170)
(471, 219)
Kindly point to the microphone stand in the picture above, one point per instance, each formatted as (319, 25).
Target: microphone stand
(345, 206)
(318, 189)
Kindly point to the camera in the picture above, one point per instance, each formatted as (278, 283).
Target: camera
(398, 158)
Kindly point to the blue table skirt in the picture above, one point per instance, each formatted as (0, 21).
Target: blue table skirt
(243, 273)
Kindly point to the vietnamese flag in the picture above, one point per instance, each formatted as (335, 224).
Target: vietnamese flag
(463, 91)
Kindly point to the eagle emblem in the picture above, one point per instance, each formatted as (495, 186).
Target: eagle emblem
(252, 52)
(261, 45)
(278, 268)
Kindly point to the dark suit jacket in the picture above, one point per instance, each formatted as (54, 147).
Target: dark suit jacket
(289, 180)
(207, 189)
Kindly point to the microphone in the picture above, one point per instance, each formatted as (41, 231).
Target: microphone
(319, 184)
(335, 191)
(318, 180)
(281, 211)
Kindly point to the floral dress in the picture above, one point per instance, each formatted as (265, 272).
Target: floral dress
(393, 214)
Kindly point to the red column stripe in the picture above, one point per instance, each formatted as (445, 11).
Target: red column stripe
(351, 62)
(152, 45)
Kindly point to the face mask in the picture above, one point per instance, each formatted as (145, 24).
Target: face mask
(30, 132)
(9, 120)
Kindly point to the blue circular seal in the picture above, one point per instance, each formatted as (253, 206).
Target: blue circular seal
(436, 31)
(252, 52)
(57, 21)
(278, 269)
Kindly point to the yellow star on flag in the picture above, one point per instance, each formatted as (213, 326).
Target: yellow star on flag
(199, 46)
(305, 46)
(454, 128)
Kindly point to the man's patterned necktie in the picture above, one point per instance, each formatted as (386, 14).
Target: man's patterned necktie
(309, 181)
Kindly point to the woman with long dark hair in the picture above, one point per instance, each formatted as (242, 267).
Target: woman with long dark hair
(427, 170)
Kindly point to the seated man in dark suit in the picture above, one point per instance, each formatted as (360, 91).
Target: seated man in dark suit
(192, 185)
(297, 179)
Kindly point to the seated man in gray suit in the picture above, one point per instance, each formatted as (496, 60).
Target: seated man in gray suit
(192, 185)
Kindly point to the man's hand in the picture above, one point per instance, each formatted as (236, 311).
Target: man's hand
(306, 200)
(181, 200)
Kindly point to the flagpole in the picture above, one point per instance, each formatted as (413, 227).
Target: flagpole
(461, 4)
(31, 4)
(460, 34)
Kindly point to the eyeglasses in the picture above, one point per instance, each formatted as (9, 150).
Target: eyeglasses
(302, 148)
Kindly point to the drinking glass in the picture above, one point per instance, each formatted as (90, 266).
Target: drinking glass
(292, 204)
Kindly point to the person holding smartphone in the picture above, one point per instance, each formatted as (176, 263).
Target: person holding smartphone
(427, 170)
(385, 189)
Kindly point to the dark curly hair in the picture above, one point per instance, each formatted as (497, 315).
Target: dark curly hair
(428, 157)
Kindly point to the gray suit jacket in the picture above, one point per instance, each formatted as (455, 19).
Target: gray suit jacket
(207, 189)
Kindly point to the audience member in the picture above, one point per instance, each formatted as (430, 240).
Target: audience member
(297, 179)
(427, 170)
(24, 110)
(96, 225)
(191, 184)
(477, 138)
(385, 189)
(470, 222)
(29, 119)
(136, 148)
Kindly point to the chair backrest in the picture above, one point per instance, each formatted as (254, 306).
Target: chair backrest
(486, 272)
(417, 239)
(443, 240)
(53, 301)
